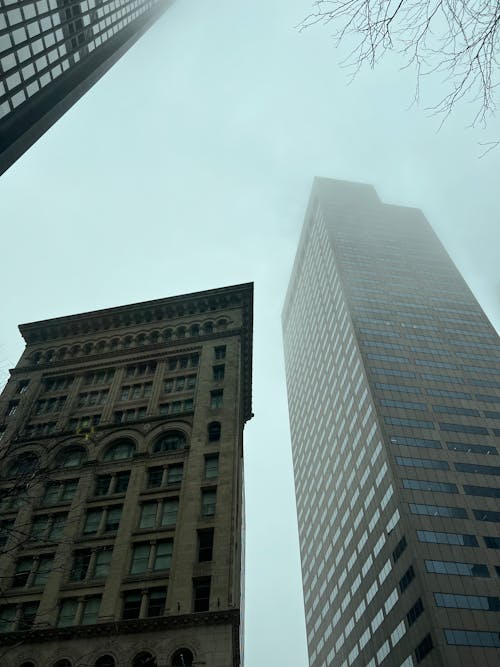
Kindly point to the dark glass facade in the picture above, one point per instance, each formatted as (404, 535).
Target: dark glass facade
(52, 52)
(393, 375)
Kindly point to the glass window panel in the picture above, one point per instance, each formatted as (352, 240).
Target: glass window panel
(92, 522)
(148, 515)
(170, 507)
(163, 556)
(67, 613)
(140, 558)
(91, 611)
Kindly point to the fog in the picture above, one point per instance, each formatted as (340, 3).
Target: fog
(188, 167)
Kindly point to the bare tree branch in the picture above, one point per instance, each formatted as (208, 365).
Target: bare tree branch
(456, 38)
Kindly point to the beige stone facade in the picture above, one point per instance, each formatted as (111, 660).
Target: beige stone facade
(121, 487)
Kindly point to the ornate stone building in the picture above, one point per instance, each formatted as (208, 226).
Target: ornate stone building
(121, 485)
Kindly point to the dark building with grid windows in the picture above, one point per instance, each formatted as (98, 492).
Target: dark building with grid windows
(393, 376)
(52, 52)
(121, 486)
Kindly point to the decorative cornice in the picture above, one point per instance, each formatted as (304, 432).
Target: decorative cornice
(46, 634)
(146, 312)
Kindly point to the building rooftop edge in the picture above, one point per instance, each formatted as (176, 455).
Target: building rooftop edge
(70, 325)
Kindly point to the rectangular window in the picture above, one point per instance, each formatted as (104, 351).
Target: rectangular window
(174, 474)
(220, 352)
(91, 610)
(113, 516)
(80, 565)
(99, 377)
(140, 558)
(427, 485)
(27, 615)
(205, 545)
(424, 648)
(155, 477)
(399, 388)
(102, 485)
(148, 514)
(415, 612)
(487, 515)
(43, 570)
(415, 442)
(406, 579)
(211, 466)
(11, 408)
(208, 502)
(463, 428)
(22, 386)
(458, 539)
(8, 615)
(480, 602)
(103, 562)
(435, 464)
(156, 602)
(163, 556)
(403, 405)
(492, 542)
(454, 410)
(438, 510)
(484, 491)
(121, 481)
(477, 468)
(457, 568)
(413, 423)
(92, 522)
(472, 449)
(67, 612)
(218, 372)
(131, 605)
(400, 548)
(472, 638)
(22, 572)
(216, 398)
(201, 594)
(170, 507)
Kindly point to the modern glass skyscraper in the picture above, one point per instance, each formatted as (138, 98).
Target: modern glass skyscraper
(393, 375)
(52, 52)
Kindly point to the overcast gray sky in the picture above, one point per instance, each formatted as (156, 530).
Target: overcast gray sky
(188, 167)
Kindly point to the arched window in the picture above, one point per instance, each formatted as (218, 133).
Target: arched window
(28, 664)
(71, 457)
(214, 431)
(182, 658)
(122, 449)
(208, 327)
(181, 332)
(195, 330)
(144, 659)
(105, 661)
(169, 442)
(24, 464)
(141, 339)
(62, 663)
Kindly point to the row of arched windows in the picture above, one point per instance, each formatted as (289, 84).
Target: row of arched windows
(73, 456)
(183, 657)
(126, 342)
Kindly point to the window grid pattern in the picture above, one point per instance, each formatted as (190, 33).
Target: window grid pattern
(41, 40)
